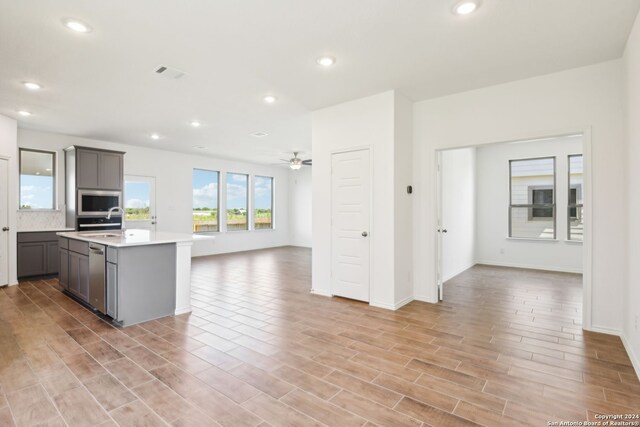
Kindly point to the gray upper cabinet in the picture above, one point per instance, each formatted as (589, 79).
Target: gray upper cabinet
(111, 171)
(87, 169)
(100, 170)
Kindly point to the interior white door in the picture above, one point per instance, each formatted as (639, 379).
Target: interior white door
(350, 221)
(140, 202)
(4, 222)
(439, 234)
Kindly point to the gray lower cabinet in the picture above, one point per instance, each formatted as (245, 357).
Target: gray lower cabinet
(78, 274)
(112, 290)
(37, 254)
(63, 274)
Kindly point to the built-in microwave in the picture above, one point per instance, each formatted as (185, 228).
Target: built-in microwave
(97, 203)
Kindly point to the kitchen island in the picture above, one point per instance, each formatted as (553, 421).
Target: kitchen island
(131, 276)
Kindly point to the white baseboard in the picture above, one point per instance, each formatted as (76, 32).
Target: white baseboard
(604, 330)
(183, 310)
(424, 298)
(635, 361)
(530, 267)
(321, 293)
(451, 276)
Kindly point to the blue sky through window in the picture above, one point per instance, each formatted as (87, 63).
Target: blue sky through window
(205, 189)
(263, 189)
(36, 191)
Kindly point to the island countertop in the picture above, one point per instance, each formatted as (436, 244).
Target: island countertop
(128, 238)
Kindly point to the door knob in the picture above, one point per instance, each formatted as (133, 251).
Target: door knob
(444, 230)
(365, 234)
(5, 228)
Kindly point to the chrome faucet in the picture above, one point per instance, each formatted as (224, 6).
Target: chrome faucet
(117, 208)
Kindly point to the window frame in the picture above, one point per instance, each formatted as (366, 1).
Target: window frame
(218, 228)
(273, 209)
(247, 198)
(531, 206)
(54, 176)
(579, 193)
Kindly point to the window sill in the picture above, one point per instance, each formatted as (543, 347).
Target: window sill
(575, 242)
(533, 239)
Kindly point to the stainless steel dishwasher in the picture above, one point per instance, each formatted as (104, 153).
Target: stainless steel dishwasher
(97, 296)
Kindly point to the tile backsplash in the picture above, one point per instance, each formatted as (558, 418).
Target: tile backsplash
(41, 220)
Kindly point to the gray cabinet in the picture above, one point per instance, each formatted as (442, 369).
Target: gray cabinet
(79, 275)
(37, 254)
(112, 290)
(78, 272)
(100, 170)
(63, 275)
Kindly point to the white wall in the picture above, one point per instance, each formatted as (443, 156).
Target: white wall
(366, 122)
(173, 173)
(458, 174)
(632, 292)
(493, 216)
(300, 212)
(383, 124)
(402, 208)
(9, 151)
(560, 103)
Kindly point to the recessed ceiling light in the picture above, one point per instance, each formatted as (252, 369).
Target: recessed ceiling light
(37, 173)
(269, 99)
(326, 61)
(24, 113)
(155, 136)
(31, 85)
(48, 169)
(466, 7)
(195, 124)
(199, 147)
(259, 134)
(76, 25)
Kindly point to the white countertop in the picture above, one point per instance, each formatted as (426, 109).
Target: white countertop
(129, 237)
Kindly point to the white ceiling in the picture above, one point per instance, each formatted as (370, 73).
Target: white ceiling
(101, 85)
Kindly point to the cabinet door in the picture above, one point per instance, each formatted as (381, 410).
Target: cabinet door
(111, 171)
(83, 277)
(32, 259)
(53, 261)
(112, 290)
(63, 276)
(87, 169)
(74, 273)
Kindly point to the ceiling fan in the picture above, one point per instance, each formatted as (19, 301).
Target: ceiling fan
(296, 162)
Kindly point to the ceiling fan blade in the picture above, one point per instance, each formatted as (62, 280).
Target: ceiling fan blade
(307, 162)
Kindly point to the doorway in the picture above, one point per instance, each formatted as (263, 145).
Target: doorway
(4, 222)
(350, 224)
(525, 210)
(140, 202)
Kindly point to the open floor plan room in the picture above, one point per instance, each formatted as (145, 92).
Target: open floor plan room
(504, 348)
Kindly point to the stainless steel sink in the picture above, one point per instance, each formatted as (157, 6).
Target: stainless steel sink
(103, 234)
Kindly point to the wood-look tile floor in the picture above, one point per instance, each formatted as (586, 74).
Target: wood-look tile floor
(504, 348)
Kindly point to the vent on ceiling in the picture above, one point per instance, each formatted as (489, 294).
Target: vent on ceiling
(259, 134)
(172, 73)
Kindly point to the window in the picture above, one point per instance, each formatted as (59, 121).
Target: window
(37, 179)
(263, 210)
(205, 201)
(237, 201)
(532, 205)
(574, 212)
